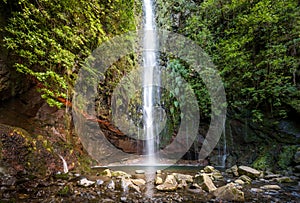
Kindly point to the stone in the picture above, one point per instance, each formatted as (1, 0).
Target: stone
(182, 184)
(138, 182)
(120, 174)
(208, 169)
(271, 176)
(239, 181)
(195, 188)
(99, 182)
(216, 175)
(85, 182)
(107, 173)
(158, 172)
(127, 184)
(246, 179)
(205, 182)
(234, 170)
(139, 171)
(158, 180)
(270, 187)
(256, 190)
(183, 177)
(170, 184)
(251, 172)
(229, 192)
(284, 179)
(111, 185)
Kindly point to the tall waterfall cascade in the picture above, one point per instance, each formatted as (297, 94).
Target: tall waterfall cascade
(151, 82)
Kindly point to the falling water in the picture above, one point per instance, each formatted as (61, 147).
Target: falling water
(150, 81)
(222, 149)
(65, 165)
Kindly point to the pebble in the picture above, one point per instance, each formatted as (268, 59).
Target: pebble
(139, 171)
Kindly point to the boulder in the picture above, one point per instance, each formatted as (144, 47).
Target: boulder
(246, 179)
(248, 171)
(158, 180)
(138, 182)
(120, 174)
(106, 173)
(170, 184)
(233, 170)
(183, 177)
(127, 184)
(209, 169)
(216, 175)
(239, 181)
(205, 182)
(229, 192)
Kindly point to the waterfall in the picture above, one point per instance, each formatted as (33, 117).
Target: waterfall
(65, 165)
(151, 81)
(222, 150)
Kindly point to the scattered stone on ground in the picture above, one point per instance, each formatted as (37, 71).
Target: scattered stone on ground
(251, 172)
(229, 192)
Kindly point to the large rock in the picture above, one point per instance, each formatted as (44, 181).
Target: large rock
(158, 180)
(183, 177)
(209, 169)
(233, 170)
(138, 182)
(170, 184)
(205, 182)
(126, 184)
(248, 171)
(120, 174)
(229, 192)
(246, 179)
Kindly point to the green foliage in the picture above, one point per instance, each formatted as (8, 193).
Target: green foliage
(50, 39)
(286, 156)
(265, 161)
(254, 44)
(183, 73)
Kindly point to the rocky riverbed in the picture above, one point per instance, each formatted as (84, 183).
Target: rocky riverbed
(237, 184)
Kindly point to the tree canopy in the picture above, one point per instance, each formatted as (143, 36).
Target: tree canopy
(254, 44)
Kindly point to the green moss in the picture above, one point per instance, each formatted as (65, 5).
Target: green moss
(262, 162)
(266, 159)
(286, 156)
(65, 191)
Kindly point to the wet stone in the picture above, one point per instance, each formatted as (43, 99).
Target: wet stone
(140, 172)
(270, 187)
(251, 172)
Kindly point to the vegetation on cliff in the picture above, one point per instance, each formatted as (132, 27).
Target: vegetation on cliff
(49, 40)
(254, 44)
